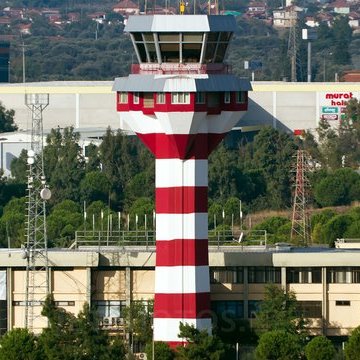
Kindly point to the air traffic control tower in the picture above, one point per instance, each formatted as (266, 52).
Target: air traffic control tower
(181, 100)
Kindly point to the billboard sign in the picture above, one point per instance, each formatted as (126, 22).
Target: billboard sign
(332, 105)
(330, 110)
(330, 117)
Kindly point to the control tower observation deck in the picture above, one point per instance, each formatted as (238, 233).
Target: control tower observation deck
(181, 100)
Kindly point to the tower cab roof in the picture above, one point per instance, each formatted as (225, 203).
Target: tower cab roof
(180, 23)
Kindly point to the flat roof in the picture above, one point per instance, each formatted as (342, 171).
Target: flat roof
(188, 82)
(142, 257)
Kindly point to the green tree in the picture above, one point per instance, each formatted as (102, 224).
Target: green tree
(20, 344)
(278, 345)
(138, 320)
(64, 220)
(77, 338)
(340, 187)
(141, 207)
(272, 153)
(118, 155)
(7, 120)
(277, 228)
(279, 311)
(64, 164)
(352, 346)
(320, 348)
(201, 345)
(18, 167)
(12, 223)
(342, 36)
(162, 351)
(94, 186)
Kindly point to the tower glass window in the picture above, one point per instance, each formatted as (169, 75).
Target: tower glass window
(180, 98)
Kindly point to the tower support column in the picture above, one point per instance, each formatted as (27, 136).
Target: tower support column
(182, 287)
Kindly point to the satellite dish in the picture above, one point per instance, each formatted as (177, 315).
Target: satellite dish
(31, 153)
(45, 194)
(30, 160)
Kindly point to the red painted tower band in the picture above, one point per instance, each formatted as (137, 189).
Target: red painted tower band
(181, 113)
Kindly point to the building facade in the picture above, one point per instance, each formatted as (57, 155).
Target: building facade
(326, 283)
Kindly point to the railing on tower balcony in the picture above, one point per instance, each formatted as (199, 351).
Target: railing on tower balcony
(145, 239)
(178, 68)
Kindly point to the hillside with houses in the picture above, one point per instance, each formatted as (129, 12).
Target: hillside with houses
(263, 26)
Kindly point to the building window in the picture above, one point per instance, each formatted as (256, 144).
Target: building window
(240, 97)
(355, 275)
(339, 275)
(136, 98)
(230, 309)
(342, 302)
(253, 308)
(227, 97)
(3, 317)
(200, 98)
(148, 100)
(303, 275)
(228, 275)
(264, 274)
(310, 309)
(180, 98)
(160, 98)
(123, 98)
(110, 308)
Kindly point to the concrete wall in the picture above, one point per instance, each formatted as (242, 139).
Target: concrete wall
(81, 104)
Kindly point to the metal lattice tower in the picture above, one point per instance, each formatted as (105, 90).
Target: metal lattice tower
(37, 275)
(301, 227)
(292, 45)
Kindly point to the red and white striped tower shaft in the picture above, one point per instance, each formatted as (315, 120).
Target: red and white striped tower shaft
(181, 101)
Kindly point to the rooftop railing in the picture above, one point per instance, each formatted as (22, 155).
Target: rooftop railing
(146, 238)
(179, 68)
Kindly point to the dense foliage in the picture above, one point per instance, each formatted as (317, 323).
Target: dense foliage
(67, 337)
(320, 348)
(352, 347)
(112, 187)
(279, 312)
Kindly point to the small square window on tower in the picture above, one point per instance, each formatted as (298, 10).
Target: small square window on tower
(240, 97)
(136, 98)
(227, 97)
(123, 97)
(160, 98)
(200, 98)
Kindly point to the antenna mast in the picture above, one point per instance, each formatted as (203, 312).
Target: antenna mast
(301, 227)
(37, 274)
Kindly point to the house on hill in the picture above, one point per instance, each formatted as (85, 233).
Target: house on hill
(126, 7)
(285, 18)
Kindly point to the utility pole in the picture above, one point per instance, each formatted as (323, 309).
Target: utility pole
(35, 252)
(301, 227)
(292, 44)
